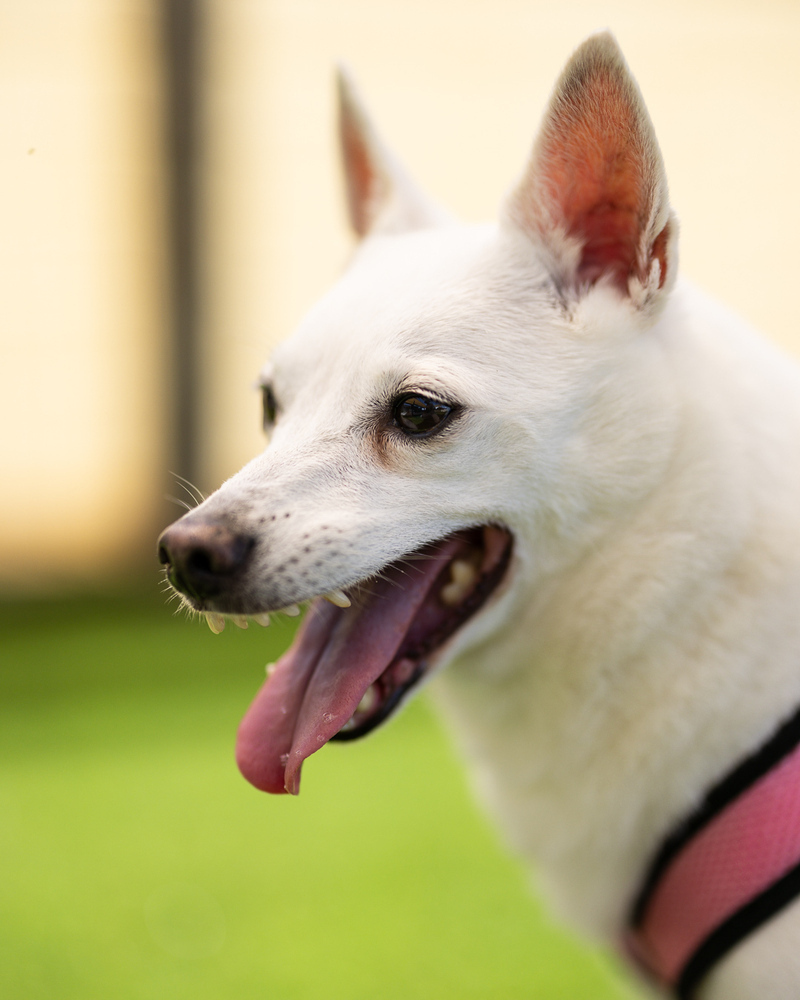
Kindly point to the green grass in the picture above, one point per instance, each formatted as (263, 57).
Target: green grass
(136, 863)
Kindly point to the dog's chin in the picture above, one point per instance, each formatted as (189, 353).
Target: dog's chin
(351, 667)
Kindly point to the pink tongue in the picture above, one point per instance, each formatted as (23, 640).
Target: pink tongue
(317, 685)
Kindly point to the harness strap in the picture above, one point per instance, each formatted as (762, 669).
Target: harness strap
(733, 864)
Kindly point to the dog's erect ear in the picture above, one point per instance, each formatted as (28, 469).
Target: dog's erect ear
(595, 191)
(381, 197)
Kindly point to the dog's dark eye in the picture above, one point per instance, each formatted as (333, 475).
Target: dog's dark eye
(419, 416)
(269, 406)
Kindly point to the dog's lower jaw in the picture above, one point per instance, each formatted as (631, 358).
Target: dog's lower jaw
(349, 670)
(470, 579)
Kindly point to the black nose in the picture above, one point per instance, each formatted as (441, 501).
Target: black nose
(203, 558)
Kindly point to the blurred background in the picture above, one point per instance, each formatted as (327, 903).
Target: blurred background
(170, 206)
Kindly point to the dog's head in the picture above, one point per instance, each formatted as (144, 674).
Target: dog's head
(445, 426)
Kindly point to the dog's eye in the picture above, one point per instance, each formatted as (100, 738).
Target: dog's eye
(419, 416)
(269, 406)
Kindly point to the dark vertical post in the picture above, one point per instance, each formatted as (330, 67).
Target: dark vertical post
(182, 46)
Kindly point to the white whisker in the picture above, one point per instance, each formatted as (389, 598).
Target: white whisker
(178, 501)
(186, 484)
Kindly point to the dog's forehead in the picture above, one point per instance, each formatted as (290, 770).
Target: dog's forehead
(431, 293)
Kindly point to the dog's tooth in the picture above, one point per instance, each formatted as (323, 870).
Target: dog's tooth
(337, 597)
(270, 669)
(240, 620)
(451, 594)
(368, 700)
(462, 577)
(262, 619)
(463, 572)
(292, 611)
(215, 622)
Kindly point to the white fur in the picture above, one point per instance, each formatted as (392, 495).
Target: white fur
(643, 448)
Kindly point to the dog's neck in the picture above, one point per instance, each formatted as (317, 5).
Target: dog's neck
(597, 744)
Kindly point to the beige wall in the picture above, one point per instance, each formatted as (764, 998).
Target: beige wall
(457, 87)
(80, 294)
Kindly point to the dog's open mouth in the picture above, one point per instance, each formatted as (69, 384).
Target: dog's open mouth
(349, 668)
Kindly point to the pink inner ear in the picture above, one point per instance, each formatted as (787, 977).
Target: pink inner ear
(596, 172)
(360, 175)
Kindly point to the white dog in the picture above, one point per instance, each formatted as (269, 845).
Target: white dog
(531, 450)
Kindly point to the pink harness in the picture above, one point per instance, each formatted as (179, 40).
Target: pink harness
(730, 866)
